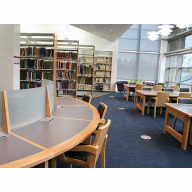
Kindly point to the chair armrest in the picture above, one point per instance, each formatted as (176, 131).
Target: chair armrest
(86, 148)
(168, 99)
(102, 121)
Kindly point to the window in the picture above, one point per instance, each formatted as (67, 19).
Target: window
(138, 57)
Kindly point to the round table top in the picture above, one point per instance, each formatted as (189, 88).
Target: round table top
(27, 146)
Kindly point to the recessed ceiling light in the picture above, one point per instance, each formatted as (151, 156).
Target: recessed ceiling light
(107, 37)
(111, 30)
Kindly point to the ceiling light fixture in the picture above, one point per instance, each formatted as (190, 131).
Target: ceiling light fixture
(153, 35)
(165, 29)
(182, 26)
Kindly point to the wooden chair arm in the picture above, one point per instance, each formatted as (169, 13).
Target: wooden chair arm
(102, 121)
(168, 99)
(86, 148)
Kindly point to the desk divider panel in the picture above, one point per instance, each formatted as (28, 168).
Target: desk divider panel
(1, 111)
(51, 96)
(26, 106)
(47, 82)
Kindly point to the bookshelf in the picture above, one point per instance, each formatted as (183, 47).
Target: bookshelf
(85, 69)
(102, 71)
(66, 67)
(36, 58)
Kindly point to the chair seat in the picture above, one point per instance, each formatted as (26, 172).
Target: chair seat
(77, 155)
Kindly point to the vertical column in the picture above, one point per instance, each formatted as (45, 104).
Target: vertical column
(9, 47)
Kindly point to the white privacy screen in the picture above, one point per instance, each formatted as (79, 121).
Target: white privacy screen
(1, 111)
(26, 106)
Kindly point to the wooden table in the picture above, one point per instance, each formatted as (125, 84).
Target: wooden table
(129, 88)
(144, 94)
(38, 142)
(183, 112)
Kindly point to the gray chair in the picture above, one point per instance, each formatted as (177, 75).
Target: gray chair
(147, 88)
(169, 89)
(184, 89)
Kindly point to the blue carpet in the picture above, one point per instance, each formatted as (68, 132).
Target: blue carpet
(126, 149)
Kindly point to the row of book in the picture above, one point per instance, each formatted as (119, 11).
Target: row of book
(31, 76)
(71, 93)
(103, 73)
(85, 80)
(66, 55)
(84, 87)
(85, 69)
(36, 52)
(36, 64)
(65, 85)
(104, 60)
(65, 75)
(101, 80)
(102, 67)
(24, 85)
(65, 65)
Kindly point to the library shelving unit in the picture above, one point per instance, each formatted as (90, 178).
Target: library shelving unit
(102, 71)
(36, 58)
(66, 67)
(85, 69)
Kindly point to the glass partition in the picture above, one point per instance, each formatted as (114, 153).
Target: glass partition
(47, 82)
(26, 106)
(1, 111)
(51, 96)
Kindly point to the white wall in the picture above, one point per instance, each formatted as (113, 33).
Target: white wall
(162, 62)
(9, 46)
(67, 31)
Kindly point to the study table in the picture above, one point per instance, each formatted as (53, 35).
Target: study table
(144, 94)
(183, 112)
(37, 142)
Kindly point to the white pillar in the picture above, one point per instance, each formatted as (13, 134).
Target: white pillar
(9, 47)
(162, 62)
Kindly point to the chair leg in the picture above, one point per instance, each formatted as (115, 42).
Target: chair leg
(155, 107)
(148, 107)
(69, 166)
(174, 122)
(161, 110)
(92, 164)
(102, 154)
(53, 163)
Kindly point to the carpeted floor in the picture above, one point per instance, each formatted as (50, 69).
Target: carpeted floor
(126, 149)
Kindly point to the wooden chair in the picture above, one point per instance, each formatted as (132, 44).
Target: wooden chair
(138, 87)
(163, 84)
(185, 95)
(147, 88)
(87, 155)
(87, 98)
(184, 89)
(175, 88)
(169, 89)
(157, 87)
(183, 101)
(161, 98)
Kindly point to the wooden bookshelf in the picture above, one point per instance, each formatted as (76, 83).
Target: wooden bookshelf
(66, 67)
(102, 71)
(36, 58)
(85, 69)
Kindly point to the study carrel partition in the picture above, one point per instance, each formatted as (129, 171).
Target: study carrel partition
(28, 105)
(1, 111)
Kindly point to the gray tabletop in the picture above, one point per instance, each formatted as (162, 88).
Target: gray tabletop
(68, 101)
(13, 148)
(49, 134)
(76, 112)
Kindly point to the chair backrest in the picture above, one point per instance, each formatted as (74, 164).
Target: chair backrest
(102, 109)
(184, 89)
(147, 88)
(157, 87)
(163, 97)
(132, 83)
(169, 89)
(87, 98)
(185, 95)
(100, 137)
(139, 86)
(184, 100)
(176, 88)
(163, 84)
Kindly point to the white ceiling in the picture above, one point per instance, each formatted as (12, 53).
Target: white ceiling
(111, 32)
